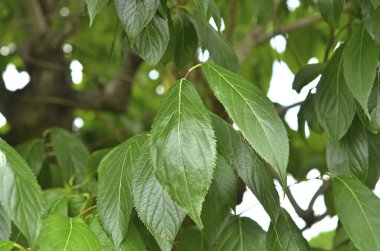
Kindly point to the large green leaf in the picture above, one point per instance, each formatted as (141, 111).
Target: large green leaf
(155, 208)
(183, 148)
(151, 43)
(358, 210)
(115, 193)
(374, 107)
(192, 239)
(5, 224)
(202, 5)
(70, 152)
(360, 58)
(334, 103)
(135, 14)
(240, 234)
(371, 23)
(225, 181)
(331, 11)
(60, 233)
(306, 75)
(254, 114)
(33, 152)
(248, 165)
(93, 7)
(284, 235)
(350, 154)
(186, 41)
(20, 194)
(374, 160)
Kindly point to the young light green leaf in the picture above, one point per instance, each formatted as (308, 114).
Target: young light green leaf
(202, 5)
(60, 233)
(70, 152)
(5, 224)
(306, 75)
(248, 165)
(6, 245)
(33, 152)
(20, 194)
(93, 7)
(155, 208)
(331, 11)
(135, 14)
(360, 58)
(183, 148)
(334, 103)
(284, 235)
(357, 207)
(254, 114)
(371, 23)
(240, 233)
(225, 181)
(350, 154)
(151, 43)
(114, 193)
(186, 41)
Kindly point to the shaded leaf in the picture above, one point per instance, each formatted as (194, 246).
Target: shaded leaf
(284, 235)
(334, 103)
(33, 153)
(306, 75)
(192, 239)
(331, 11)
(114, 199)
(371, 23)
(155, 208)
(254, 114)
(135, 14)
(374, 107)
(67, 234)
(374, 160)
(360, 58)
(151, 43)
(5, 224)
(375, 3)
(93, 7)
(20, 194)
(202, 5)
(56, 201)
(357, 208)
(183, 148)
(225, 181)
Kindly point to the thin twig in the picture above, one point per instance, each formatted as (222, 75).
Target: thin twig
(87, 210)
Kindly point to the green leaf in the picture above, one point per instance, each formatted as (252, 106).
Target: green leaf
(334, 103)
(183, 148)
(186, 41)
(262, 10)
(20, 194)
(192, 239)
(6, 245)
(104, 240)
(151, 43)
(155, 208)
(248, 166)
(357, 207)
(375, 3)
(350, 154)
(374, 107)
(56, 201)
(115, 193)
(331, 11)
(93, 7)
(240, 233)
(135, 14)
(374, 160)
(70, 152)
(371, 23)
(306, 75)
(5, 224)
(202, 5)
(67, 234)
(284, 235)
(360, 58)
(33, 152)
(254, 114)
(220, 50)
(225, 181)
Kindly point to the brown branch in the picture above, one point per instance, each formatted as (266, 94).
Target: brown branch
(36, 14)
(322, 189)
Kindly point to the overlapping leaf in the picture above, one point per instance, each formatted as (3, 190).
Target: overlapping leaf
(115, 194)
(135, 14)
(33, 152)
(225, 181)
(254, 114)
(60, 233)
(20, 194)
(192, 239)
(250, 168)
(331, 11)
(202, 5)
(93, 7)
(152, 41)
(374, 107)
(5, 224)
(334, 103)
(155, 208)
(183, 148)
(357, 207)
(371, 23)
(284, 235)
(360, 59)
(306, 75)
